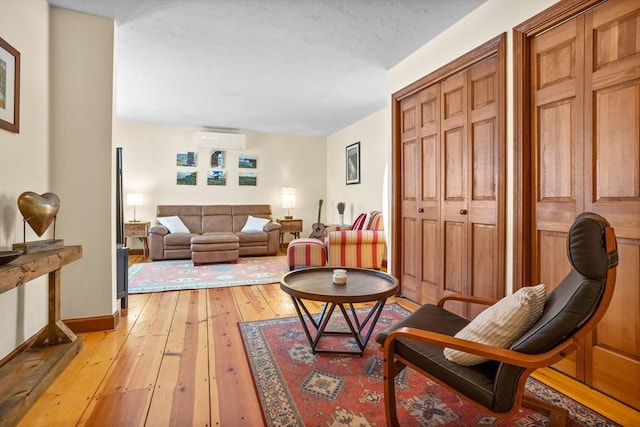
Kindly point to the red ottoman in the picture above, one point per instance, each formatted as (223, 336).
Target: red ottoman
(306, 252)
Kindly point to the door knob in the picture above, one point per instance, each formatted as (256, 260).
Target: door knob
(463, 212)
(420, 210)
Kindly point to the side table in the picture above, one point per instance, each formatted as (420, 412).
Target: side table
(138, 230)
(293, 226)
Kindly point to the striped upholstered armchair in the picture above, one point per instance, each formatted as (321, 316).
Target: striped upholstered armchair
(361, 245)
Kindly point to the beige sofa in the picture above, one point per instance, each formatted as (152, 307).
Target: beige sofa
(213, 220)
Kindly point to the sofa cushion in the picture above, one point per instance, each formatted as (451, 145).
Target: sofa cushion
(174, 224)
(360, 222)
(253, 238)
(178, 239)
(501, 324)
(254, 224)
(216, 218)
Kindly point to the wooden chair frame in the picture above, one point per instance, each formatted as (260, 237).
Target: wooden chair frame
(393, 363)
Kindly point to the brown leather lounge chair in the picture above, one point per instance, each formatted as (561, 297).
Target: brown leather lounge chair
(570, 312)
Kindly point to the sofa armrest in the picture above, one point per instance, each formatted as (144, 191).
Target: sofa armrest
(156, 242)
(271, 226)
(159, 229)
(273, 237)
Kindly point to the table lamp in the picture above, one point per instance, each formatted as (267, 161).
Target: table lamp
(288, 200)
(134, 199)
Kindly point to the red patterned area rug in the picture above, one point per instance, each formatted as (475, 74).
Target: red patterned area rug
(298, 388)
(176, 275)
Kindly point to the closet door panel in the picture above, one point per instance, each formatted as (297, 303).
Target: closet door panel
(612, 187)
(429, 209)
(557, 158)
(431, 262)
(454, 187)
(455, 272)
(411, 176)
(485, 242)
(484, 273)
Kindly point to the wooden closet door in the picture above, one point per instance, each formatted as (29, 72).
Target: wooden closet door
(485, 175)
(420, 140)
(449, 180)
(585, 77)
(557, 156)
(612, 187)
(472, 241)
(453, 225)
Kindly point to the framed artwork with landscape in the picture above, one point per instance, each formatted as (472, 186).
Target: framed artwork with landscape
(9, 87)
(353, 163)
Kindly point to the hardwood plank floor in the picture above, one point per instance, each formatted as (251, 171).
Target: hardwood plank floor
(177, 359)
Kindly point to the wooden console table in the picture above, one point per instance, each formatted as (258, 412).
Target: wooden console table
(27, 375)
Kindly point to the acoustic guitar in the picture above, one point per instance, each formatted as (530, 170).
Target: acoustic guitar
(318, 227)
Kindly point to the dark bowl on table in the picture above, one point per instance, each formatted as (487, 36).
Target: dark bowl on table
(7, 256)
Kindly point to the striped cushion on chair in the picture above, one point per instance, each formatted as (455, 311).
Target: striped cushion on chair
(306, 252)
(375, 221)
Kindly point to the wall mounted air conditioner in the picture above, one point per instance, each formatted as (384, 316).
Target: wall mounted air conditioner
(225, 141)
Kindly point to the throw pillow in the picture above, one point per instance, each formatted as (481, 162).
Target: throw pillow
(501, 324)
(254, 224)
(360, 222)
(174, 224)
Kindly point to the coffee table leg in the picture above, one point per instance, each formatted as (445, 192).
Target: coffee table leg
(376, 311)
(297, 303)
(355, 326)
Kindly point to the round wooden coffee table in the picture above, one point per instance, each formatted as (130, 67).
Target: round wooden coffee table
(316, 284)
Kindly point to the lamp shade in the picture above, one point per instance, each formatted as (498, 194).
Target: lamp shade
(288, 197)
(134, 199)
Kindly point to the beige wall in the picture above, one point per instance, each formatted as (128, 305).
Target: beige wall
(149, 167)
(24, 161)
(82, 172)
(373, 134)
(64, 146)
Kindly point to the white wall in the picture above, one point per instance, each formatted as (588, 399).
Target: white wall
(82, 172)
(24, 161)
(149, 167)
(373, 134)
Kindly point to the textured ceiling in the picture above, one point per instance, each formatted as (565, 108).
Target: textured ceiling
(306, 67)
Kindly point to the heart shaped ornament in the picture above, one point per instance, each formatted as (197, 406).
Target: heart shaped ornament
(39, 210)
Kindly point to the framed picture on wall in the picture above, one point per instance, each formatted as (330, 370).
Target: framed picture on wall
(216, 177)
(353, 163)
(186, 178)
(187, 158)
(217, 159)
(248, 178)
(9, 87)
(247, 161)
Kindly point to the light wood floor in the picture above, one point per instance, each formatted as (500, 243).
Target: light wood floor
(177, 359)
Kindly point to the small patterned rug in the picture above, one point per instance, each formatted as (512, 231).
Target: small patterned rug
(298, 388)
(176, 275)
